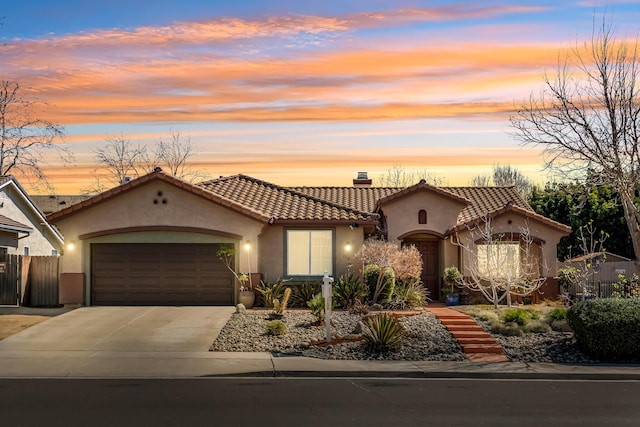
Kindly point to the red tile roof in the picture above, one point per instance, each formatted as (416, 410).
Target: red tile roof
(271, 203)
(481, 200)
(283, 205)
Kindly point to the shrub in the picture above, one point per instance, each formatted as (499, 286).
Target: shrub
(383, 333)
(558, 313)
(359, 307)
(607, 328)
(451, 278)
(276, 327)
(271, 291)
(303, 293)
(316, 304)
(510, 329)
(489, 316)
(371, 274)
(560, 326)
(537, 327)
(347, 291)
(408, 293)
(517, 315)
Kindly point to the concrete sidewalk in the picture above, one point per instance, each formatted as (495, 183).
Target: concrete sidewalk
(108, 364)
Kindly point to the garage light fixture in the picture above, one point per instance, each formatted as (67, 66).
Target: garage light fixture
(348, 247)
(71, 245)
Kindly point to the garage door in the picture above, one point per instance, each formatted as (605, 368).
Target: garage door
(159, 274)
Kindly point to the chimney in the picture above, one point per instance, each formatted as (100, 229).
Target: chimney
(362, 180)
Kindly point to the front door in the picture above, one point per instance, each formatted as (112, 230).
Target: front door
(430, 268)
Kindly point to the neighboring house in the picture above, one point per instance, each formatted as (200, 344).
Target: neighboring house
(154, 240)
(23, 227)
(601, 270)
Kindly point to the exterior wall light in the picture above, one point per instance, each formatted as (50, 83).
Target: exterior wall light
(71, 245)
(348, 247)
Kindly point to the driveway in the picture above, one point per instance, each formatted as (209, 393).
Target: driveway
(126, 329)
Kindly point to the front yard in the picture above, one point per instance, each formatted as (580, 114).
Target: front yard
(13, 323)
(424, 338)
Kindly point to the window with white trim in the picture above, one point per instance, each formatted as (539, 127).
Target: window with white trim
(309, 252)
(499, 259)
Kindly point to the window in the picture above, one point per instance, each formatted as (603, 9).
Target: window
(499, 259)
(309, 252)
(422, 216)
(26, 250)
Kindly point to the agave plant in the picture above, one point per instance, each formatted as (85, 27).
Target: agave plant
(383, 333)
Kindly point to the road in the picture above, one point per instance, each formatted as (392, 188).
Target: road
(317, 402)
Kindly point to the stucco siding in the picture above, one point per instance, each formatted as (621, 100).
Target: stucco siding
(152, 205)
(402, 214)
(272, 250)
(515, 223)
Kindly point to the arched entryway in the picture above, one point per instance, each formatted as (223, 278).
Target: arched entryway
(429, 249)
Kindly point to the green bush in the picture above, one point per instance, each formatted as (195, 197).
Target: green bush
(371, 273)
(316, 304)
(607, 328)
(303, 293)
(346, 291)
(276, 327)
(558, 313)
(383, 333)
(517, 315)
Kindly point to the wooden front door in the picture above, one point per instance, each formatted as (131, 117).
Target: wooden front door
(430, 268)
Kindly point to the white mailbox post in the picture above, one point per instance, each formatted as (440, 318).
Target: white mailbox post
(326, 293)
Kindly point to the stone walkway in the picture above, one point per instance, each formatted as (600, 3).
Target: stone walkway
(478, 345)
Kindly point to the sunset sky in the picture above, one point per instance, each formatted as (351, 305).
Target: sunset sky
(297, 92)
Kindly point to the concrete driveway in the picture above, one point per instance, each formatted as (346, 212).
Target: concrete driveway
(126, 329)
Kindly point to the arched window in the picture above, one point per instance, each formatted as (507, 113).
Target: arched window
(422, 216)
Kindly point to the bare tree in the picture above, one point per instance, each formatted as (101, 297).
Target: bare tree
(504, 175)
(398, 176)
(120, 159)
(501, 264)
(175, 153)
(481, 181)
(25, 137)
(587, 118)
(586, 266)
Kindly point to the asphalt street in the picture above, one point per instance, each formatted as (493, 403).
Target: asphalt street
(317, 402)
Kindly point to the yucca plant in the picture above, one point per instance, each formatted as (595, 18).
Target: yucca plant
(383, 333)
(346, 291)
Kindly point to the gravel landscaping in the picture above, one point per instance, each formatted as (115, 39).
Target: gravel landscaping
(425, 339)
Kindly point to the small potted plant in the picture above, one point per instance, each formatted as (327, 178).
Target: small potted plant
(246, 295)
(452, 279)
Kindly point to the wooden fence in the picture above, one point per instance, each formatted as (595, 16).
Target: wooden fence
(40, 281)
(29, 280)
(10, 267)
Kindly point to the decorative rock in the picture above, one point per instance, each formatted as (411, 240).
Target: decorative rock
(240, 308)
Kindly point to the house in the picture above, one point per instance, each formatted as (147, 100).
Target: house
(154, 239)
(23, 228)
